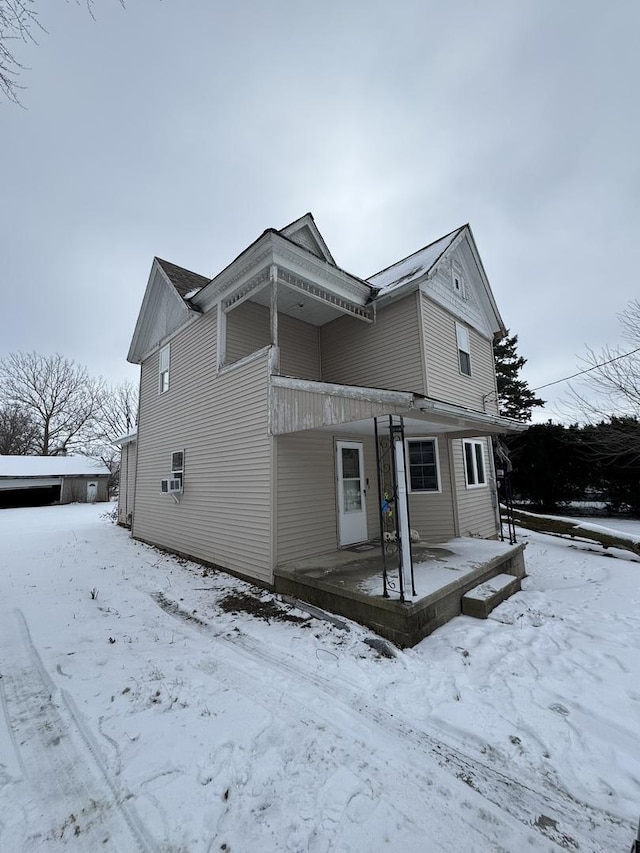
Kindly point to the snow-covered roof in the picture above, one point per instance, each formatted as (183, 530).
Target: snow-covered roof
(50, 466)
(127, 439)
(413, 267)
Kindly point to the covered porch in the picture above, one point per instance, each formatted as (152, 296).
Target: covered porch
(387, 504)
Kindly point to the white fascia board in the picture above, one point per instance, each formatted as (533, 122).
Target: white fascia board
(300, 262)
(308, 221)
(193, 317)
(127, 439)
(467, 419)
(272, 248)
(500, 327)
(402, 399)
(252, 261)
(145, 317)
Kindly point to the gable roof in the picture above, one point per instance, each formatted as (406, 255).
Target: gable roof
(184, 281)
(414, 266)
(305, 233)
(51, 466)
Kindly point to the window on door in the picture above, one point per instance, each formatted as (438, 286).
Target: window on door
(351, 492)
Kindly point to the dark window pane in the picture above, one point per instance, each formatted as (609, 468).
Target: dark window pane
(468, 462)
(465, 362)
(479, 463)
(350, 463)
(423, 471)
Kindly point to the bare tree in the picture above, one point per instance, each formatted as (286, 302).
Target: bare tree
(611, 399)
(18, 431)
(117, 416)
(614, 373)
(58, 394)
(19, 22)
(118, 411)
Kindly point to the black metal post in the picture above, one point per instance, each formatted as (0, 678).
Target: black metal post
(395, 501)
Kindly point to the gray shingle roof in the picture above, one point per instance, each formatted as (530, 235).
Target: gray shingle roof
(183, 280)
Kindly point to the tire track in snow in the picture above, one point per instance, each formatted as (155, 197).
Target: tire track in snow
(64, 776)
(557, 816)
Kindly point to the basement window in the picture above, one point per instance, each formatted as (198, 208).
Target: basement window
(474, 470)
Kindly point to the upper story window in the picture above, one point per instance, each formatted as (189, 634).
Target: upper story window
(163, 369)
(424, 475)
(474, 470)
(464, 349)
(457, 280)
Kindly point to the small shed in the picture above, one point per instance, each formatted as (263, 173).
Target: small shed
(41, 480)
(127, 481)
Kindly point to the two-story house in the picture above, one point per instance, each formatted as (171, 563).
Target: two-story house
(290, 409)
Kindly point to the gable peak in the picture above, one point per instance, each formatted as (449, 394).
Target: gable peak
(305, 233)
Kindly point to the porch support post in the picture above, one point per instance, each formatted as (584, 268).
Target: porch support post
(403, 514)
(273, 276)
(406, 486)
(394, 474)
(385, 591)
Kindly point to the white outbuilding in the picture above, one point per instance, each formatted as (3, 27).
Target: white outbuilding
(41, 480)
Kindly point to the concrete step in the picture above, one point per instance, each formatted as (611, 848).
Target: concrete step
(482, 599)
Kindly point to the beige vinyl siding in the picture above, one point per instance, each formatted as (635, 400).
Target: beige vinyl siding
(383, 354)
(126, 487)
(306, 495)
(444, 380)
(307, 502)
(249, 329)
(431, 513)
(476, 512)
(220, 421)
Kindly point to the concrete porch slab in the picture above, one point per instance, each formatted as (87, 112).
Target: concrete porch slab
(349, 583)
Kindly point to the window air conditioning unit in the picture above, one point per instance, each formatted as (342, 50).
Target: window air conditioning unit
(175, 485)
(170, 485)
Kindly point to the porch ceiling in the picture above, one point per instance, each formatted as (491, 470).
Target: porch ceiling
(296, 303)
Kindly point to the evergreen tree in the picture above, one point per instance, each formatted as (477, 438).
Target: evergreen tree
(515, 397)
(550, 466)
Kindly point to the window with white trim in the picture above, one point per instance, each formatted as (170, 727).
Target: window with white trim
(177, 466)
(474, 469)
(422, 465)
(163, 369)
(464, 349)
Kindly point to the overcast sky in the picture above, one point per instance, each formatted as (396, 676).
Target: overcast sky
(184, 128)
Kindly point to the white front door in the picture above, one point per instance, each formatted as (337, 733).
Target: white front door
(352, 513)
(92, 492)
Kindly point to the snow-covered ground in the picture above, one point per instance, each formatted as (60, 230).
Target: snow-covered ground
(148, 705)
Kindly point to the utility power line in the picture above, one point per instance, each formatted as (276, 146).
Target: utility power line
(588, 370)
